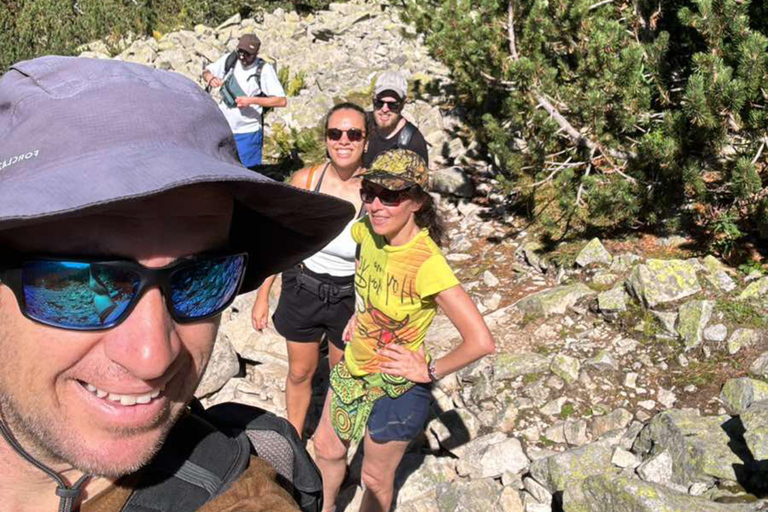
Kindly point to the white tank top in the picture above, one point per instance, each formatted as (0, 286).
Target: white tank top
(338, 257)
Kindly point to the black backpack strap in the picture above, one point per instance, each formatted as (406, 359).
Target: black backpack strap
(230, 62)
(405, 135)
(197, 463)
(257, 72)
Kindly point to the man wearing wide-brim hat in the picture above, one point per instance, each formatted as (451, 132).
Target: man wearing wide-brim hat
(151, 214)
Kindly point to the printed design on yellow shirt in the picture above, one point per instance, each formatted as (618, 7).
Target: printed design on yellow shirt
(385, 330)
(375, 280)
(388, 328)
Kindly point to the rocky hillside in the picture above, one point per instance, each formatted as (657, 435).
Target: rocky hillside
(329, 56)
(630, 376)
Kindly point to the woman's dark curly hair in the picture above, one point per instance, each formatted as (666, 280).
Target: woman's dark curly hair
(428, 216)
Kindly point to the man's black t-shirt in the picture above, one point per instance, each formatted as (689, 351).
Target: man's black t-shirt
(377, 144)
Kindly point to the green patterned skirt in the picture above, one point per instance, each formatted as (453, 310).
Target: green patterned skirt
(353, 398)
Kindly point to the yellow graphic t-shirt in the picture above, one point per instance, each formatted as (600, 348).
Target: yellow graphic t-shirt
(395, 294)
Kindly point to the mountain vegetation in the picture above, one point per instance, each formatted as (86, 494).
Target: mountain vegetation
(615, 114)
(29, 28)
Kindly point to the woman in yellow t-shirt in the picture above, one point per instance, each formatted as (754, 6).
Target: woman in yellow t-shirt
(380, 391)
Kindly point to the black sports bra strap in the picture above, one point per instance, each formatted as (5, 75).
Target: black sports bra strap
(360, 214)
(320, 179)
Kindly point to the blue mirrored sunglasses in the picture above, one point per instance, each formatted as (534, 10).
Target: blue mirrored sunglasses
(90, 295)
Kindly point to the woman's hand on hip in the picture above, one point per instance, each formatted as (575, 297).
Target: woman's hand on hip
(349, 330)
(402, 362)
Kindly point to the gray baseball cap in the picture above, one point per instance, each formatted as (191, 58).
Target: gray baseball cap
(391, 81)
(78, 134)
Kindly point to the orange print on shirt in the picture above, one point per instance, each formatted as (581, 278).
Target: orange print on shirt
(389, 331)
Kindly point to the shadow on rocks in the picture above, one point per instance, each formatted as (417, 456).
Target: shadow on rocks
(752, 475)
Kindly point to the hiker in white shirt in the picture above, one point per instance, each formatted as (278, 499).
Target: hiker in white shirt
(248, 85)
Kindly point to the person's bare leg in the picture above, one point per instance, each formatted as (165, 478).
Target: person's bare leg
(331, 457)
(379, 464)
(334, 355)
(302, 363)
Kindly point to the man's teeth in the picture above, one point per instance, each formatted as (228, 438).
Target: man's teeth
(123, 399)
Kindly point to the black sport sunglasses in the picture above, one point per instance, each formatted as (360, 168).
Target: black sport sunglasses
(369, 192)
(394, 106)
(90, 295)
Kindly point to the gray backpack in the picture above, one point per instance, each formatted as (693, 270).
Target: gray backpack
(207, 450)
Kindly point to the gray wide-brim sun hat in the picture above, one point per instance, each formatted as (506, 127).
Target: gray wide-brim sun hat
(78, 134)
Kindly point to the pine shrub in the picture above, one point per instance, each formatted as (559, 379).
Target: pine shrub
(616, 114)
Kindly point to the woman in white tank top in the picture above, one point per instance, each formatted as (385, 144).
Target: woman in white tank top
(317, 296)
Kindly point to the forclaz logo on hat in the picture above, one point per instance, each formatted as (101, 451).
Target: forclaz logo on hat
(7, 162)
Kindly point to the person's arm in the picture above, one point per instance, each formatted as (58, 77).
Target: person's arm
(260, 313)
(272, 89)
(264, 101)
(476, 341)
(213, 73)
(211, 80)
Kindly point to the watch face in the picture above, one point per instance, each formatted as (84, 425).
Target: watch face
(431, 371)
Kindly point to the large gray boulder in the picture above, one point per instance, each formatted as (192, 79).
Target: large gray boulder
(755, 290)
(417, 479)
(755, 422)
(555, 300)
(453, 181)
(223, 365)
(703, 448)
(490, 457)
(693, 318)
(717, 274)
(606, 493)
(565, 367)
(592, 253)
(759, 367)
(469, 496)
(738, 394)
(613, 301)
(742, 338)
(568, 469)
(659, 281)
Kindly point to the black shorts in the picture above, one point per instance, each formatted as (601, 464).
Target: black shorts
(304, 315)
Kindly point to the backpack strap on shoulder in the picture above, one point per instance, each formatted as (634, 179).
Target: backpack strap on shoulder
(197, 463)
(207, 450)
(257, 72)
(405, 135)
(230, 62)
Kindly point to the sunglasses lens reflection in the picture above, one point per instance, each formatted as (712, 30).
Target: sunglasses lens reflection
(90, 296)
(77, 295)
(206, 287)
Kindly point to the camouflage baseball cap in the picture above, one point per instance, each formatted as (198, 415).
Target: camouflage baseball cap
(398, 169)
